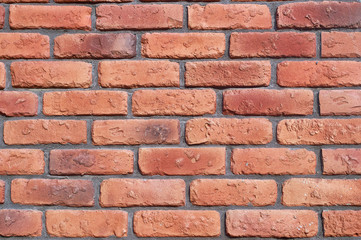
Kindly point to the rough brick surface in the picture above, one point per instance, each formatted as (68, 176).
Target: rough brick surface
(2, 16)
(21, 162)
(342, 223)
(2, 192)
(340, 102)
(2, 76)
(20, 223)
(341, 161)
(341, 44)
(15, 104)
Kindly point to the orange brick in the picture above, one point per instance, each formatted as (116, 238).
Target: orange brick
(183, 45)
(53, 17)
(228, 74)
(18, 104)
(135, 132)
(341, 44)
(43, 131)
(182, 161)
(21, 162)
(341, 161)
(224, 192)
(20, 223)
(345, 223)
(272, 44)
(228, 131)
(141, 192)
(272, 223)
(321, 192)
(92, 1)
(164, 16)
(174, 102)
(133, 74)
(319, 131)
(173, 223)
(273, 161)
(229, 16)
(2, 195)
(24, 45)
(91, 161)
(65, 192)
(319, 74)
(2, 76)
(340, 102)
(86, 223)
(268, 102)
(2, 16)
(23, 1)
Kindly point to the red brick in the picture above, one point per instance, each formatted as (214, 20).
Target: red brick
(18, 104)
(135, 132)
(21, 162)
(229, 16)
(85, 103)
(2, 76)
(228, 131)
(95, 45)
(165, 16)
(341, 161)
(346, 223)
(53, 17)
(183, 45)
(319, 131)
(53, 74)
(24, 1)
(141, 192)
(2, 16)
(174, 102)
(178, 0)
(321, 192)
(319, 74)
(133, 74)
(2, 193)
(42, 131)
(224, 192)
(267, 102)
(182, 161)
(173, 223)
(228, 74)
(311, 15)
(91, 161)
(92, 1)
(257, 0)
(272, 223)
(20, 223)
(24, 45)
(341, 44)
(340, 102)
(272, 44)
(65, 192)
(86, 223)
(273, 161)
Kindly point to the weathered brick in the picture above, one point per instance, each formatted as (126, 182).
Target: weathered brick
(164, 16)
(268, 102)
(174, 102)
(319, 131)
(42, 131)
(272, 223)
(94, 45)
(341, 44)
(319, 74)
(24, 45)
(21, 162)
(85, 103)
(341, 161)
(92, 1)
(2, 76)
(65, 192)
(178, 0)
(340, 102)
(182, 161)
(229, 16)
(140, 192)
(2, 194)
(20, 223)
(91, 161)
(272, 44)
(133, 74)
(2, 16)
(86, 223)
(345, 223)
(228, 131)
(257, 0)
(24, 1)
(311, 15)
(53, 74)
(228, 74)
(177, 223)
(18, 104)
(224, 192)
(321, 192)
(53, 17)
(135, 132)
(183, 45)
(273, 161)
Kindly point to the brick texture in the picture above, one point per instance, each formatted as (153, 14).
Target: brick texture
(340, 102)
(21, 162)
(15, 104)
(342, 223)
(341, 44)
(24, 223)
(341, 161)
